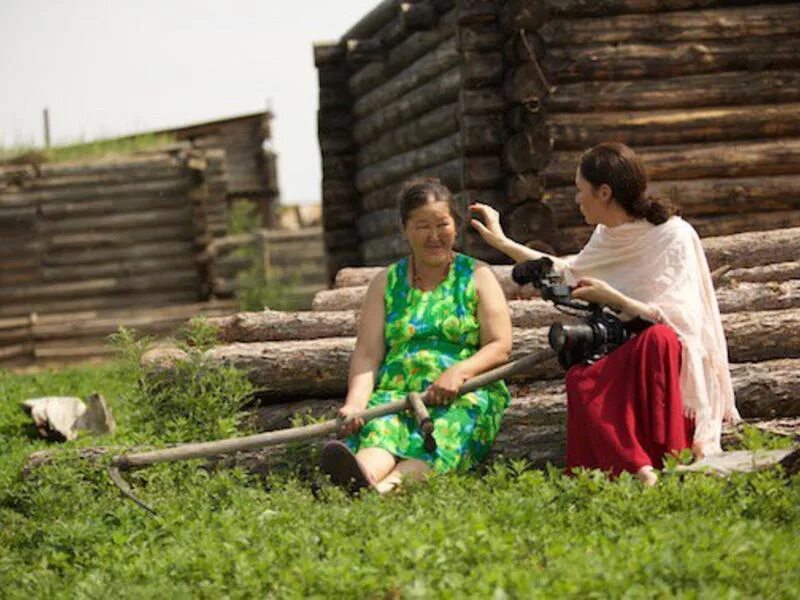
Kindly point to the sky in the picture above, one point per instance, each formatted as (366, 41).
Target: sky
(112, 67)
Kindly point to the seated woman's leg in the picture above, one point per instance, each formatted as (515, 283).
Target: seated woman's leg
(406, 469)
(625, 410)
(376, 462)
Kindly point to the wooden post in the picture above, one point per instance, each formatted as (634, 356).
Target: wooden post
(46, 114)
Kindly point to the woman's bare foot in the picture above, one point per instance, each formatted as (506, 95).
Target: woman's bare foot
(647, 476)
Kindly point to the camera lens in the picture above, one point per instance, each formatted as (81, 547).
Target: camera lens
(557, 336)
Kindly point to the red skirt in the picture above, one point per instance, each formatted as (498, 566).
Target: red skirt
(625, 411)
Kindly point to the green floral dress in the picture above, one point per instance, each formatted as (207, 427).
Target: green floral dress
(426, 333)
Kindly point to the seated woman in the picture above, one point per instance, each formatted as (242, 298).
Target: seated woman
(430, 321)
(669, 387)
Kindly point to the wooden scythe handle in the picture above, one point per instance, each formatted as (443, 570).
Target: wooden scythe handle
(307, 432)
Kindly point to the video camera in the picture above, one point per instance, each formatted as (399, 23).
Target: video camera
(601, 331)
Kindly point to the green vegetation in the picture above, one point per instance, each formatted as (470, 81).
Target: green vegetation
(86, 150)
(508, 533)
(256, 287)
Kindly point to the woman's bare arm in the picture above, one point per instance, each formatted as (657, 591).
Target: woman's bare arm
(370, 346)
(495, 323)
(495, 332)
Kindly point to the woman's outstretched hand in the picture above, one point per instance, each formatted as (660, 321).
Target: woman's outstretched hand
(350, 425)
(445, 389)
(490, 228)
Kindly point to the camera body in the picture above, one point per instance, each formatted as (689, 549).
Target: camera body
(583, 343)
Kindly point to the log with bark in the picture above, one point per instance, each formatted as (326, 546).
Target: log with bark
(441, 122)
(733, 23)
(749, 222)
(522, 14)
(602, 8)
(401, 56)
(379, 223)
(476, 37)
(118, 268)
(379, 251)
(527, 83)
(446, 55)
(449, 172)
(397, 167)
(417, 16)
(116, 221)
(697, 161)
(438, 91)
(105, 206)
(121, 239)
(136, 189)
(736, 88)
(529, 221)
(699, 197)
(75, 289)
(521, 187)
(670, 59)
(651, 128)
(481, 69)
(783, 271)
(528, 151)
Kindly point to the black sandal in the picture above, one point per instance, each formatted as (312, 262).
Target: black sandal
(342, 466)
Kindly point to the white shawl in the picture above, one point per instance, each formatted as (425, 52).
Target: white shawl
(665, 266)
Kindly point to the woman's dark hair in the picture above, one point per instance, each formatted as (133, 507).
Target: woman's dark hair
(425, 190)
(623, 171)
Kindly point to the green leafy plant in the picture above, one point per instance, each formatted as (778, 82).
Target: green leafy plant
(257, 287)
(753, 438)
(195, 399)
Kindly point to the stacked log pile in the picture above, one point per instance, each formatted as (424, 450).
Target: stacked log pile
(251, 170)
(499, 98)
(111, 234)
(304, 356)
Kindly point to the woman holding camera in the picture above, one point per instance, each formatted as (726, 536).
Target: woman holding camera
(669, 387)
(429, 322)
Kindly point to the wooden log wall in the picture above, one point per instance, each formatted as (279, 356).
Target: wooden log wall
(118, 233)
(304, 355)
(407, 104)
(499, 98)
(706, 92)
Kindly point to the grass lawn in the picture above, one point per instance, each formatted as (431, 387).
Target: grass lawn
(86, 150)
(65, 531)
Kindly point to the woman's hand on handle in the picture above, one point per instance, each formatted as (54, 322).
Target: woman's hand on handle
(351, 424)
(445, 389)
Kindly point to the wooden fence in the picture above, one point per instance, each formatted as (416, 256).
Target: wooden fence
(290, 262)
